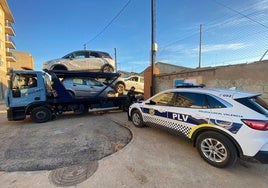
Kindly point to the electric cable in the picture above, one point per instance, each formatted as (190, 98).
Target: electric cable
(110, 23)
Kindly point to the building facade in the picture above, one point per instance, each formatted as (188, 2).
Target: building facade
(6, 44)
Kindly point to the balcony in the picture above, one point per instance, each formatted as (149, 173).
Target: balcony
(10, 43)
(9, 29)
(10, 57)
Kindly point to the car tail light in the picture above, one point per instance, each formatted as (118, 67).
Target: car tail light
(261, 125)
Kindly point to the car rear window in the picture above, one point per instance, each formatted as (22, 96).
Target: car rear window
(105, 55)
(256, 103)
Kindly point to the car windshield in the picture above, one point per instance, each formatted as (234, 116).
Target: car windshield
(256, 103)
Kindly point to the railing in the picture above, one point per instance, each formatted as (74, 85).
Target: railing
(10, 54)
(8, 38)
(9, 26)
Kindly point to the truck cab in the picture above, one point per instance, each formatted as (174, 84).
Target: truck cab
(26, 88)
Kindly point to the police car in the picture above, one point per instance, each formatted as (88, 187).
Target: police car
(222, 124)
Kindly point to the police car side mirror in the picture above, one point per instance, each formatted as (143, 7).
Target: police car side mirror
(151, 102)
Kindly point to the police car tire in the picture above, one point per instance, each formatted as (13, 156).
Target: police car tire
(41, 114)
(136, 118)
(210, 138)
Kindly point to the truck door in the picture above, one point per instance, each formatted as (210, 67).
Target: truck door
(25, 89)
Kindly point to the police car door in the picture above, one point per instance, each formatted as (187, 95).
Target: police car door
(186, 110)
(155, 112)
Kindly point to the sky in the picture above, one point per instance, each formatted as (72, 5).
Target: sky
(232, 32)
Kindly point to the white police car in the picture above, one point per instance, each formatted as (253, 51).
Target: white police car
(222, 124)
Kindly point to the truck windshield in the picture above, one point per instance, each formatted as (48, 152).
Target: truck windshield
(22, 81)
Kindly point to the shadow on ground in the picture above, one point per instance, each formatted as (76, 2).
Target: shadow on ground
(70, 140)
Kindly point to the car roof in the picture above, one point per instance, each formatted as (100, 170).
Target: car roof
(235, 94)
(89, 51)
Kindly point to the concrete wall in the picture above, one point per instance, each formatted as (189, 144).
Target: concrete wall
(248, 77)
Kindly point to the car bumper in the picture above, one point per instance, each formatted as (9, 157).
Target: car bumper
(262, 157)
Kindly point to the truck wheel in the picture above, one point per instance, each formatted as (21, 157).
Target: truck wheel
(216, 149)
(41, 114)
(107, 68)
(120, 88)
(81, 109)
(137, 119)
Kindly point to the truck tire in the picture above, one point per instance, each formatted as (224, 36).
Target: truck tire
(216, 149)
(41, 114)
(120, 88)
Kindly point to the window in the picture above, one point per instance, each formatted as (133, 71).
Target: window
(79, 81)
(93, 82)
(94, 55)
(255, 103)
(214, 102)
(1, 45)
(80, 55)
(134, 79)
(164, 99)
(190, 100)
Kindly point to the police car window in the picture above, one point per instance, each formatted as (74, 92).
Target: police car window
(190, 100)
(164, 99)
(215, 102)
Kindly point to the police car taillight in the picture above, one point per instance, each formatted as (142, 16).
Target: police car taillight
(256, 124)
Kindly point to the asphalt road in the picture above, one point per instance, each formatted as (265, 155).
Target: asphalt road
(69, 140)
(153, 158)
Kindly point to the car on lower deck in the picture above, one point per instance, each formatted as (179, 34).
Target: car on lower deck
(87, 87)
(222, 124)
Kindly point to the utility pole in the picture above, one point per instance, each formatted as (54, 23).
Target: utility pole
(200, 46)
(263, 55)
(115, 59)
(153, 48)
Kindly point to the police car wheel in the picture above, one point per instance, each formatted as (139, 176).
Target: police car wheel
(41, 114)
(216, 149)
(137, 118)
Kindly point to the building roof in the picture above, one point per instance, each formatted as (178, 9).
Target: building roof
(8, 14)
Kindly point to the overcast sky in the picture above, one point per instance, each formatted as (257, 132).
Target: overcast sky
(232, 31)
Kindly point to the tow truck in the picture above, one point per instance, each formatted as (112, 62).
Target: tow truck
(48, 98)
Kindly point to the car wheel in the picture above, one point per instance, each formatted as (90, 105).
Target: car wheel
(107, 68)
(59, 67)
(136, 118)
(41, 114)
(120, 88)
(216, 149)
